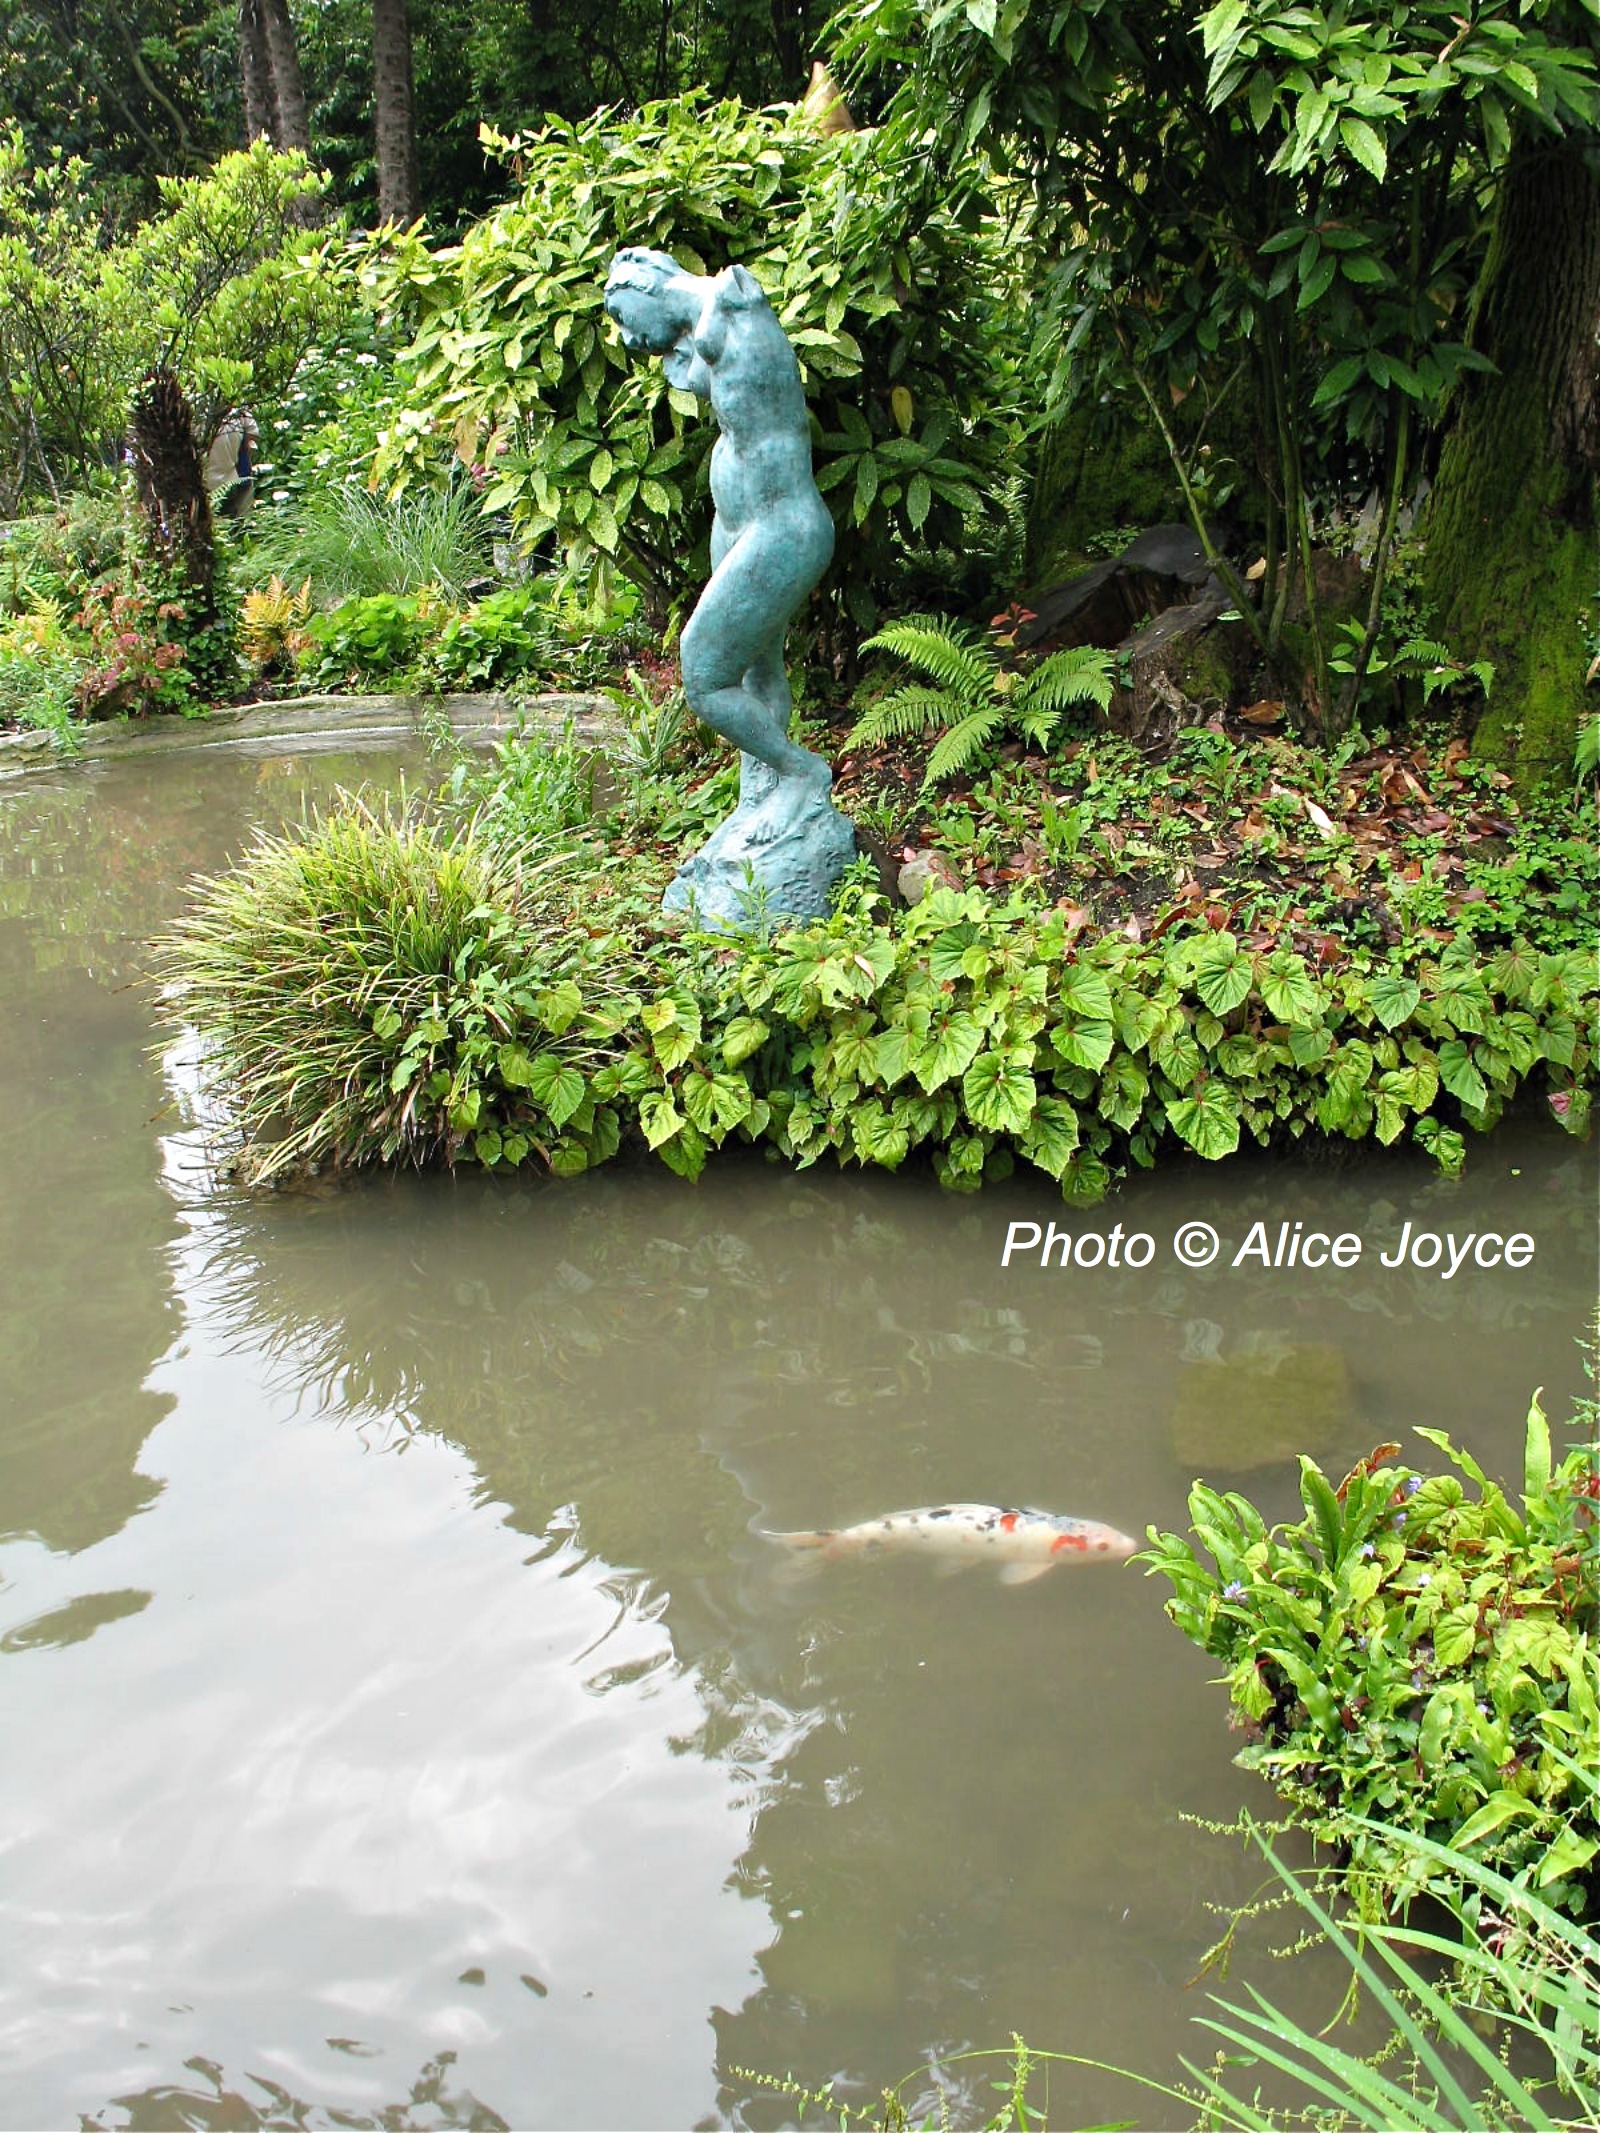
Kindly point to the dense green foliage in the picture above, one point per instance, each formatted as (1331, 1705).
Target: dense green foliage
(147, 88)
(1279, 204)
(897, 304)
(224, 285)
(551, 1017)
(1411, 1656)
(526, 635)
(140, 89)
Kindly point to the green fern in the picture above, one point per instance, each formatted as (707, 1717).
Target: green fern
(963, 743)
(954, 657)
(909, 710)
(975, 697)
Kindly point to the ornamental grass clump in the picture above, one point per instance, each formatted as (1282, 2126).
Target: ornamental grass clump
(378, 989)
(1413, 1661)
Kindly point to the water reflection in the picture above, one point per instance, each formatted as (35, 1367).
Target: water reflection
(214, 2102)
(965, 1802)
(441, 1704)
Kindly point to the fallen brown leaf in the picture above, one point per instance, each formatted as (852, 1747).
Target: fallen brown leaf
(1268, 712)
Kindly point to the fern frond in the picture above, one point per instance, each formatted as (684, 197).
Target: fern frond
(1426, 653)
(960, 747)
(944, 650)
(909, 710)
(1038, 726)
(1081, 676)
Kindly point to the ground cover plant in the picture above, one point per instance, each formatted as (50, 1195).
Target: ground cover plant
(1416, 1657)
(1374, 842)
(976, 1029)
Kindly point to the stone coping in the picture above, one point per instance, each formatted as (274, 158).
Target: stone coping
(326, 719)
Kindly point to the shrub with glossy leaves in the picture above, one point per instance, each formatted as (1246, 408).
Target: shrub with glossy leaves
(894, 296)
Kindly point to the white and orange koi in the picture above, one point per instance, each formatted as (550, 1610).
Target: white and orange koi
(1023, 1543)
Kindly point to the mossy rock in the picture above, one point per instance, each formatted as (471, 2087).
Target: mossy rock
(1262, 1406)
(1105, 466)
(1097, 470)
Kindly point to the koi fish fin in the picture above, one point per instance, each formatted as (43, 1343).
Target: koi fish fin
(805, 1555)
(1024, 1573)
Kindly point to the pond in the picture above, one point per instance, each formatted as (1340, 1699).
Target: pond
(405, 1718)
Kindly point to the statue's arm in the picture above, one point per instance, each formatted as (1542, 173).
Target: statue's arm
(687, 368)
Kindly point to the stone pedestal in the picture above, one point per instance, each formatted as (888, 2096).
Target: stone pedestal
(754, 871)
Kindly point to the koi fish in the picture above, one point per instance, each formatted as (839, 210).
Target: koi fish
(1024, 1543)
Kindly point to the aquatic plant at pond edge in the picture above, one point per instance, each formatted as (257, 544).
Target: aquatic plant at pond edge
(1413, 1659)
(1527, 1968)
(381, 991)
(978, 1031)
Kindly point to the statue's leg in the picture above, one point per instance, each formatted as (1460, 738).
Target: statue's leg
(732, 654)
(768, 681)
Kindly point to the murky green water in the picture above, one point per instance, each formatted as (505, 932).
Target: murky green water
(400, 1711)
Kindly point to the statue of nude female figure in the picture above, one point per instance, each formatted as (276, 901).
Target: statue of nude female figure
(770, 541)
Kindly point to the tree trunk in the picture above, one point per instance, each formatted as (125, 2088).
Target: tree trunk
(1511, 529)
(255, 75)
(177, 511)
(288, 90)
(392, 97)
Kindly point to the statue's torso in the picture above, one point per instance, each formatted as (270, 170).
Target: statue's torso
(761, 462)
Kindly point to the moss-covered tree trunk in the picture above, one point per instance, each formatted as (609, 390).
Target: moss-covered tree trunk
(1512, 555)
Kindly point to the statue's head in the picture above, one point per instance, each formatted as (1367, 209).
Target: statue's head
(652, 299)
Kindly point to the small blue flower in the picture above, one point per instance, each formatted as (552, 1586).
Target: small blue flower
(1368, 1550)
(1233, 1590)
(1398, 1519)
(1424, 1580)
(1413, 1484)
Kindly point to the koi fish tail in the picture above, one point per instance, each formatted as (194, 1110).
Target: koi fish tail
(805, 1555)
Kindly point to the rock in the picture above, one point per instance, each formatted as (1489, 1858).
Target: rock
(924, 871)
